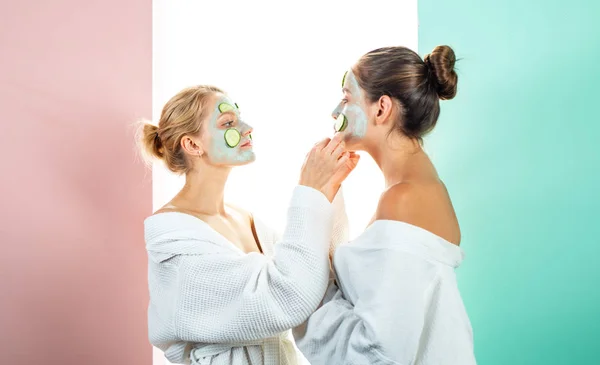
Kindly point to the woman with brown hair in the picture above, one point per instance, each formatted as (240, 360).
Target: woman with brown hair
(394, 299)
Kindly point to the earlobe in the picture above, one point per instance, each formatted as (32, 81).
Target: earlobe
(191, 147)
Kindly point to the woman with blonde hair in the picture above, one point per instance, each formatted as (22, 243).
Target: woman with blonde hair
(224, 289)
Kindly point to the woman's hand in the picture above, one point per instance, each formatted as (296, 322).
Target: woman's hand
(326, 166)
(345, 170)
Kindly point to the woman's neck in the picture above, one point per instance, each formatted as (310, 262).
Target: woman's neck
(400, 159)
(204, 191)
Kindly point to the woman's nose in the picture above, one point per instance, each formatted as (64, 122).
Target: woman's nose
(336, 112)
(247, 131)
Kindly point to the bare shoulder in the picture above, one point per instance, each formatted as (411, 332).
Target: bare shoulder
(398, 202)
(425, 205)
(167, 208)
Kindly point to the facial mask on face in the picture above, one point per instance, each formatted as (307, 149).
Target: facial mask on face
(224, 142)
(232, 135)
(351, 116)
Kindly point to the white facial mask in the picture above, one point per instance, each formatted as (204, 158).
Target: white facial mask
(354, 109)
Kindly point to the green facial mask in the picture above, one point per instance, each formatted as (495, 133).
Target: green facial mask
(225, 141)
(232, 135)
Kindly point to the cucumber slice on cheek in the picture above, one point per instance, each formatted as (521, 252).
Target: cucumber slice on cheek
(340, 123)
(232, 137)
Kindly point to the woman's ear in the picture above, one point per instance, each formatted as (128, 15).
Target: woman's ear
(192, 146)
(383, 110)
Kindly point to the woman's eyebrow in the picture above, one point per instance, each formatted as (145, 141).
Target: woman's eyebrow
(229, 112)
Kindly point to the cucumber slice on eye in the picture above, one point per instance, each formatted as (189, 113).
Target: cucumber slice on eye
(232, 137)
(341, 123)
(344, 78)
(224, 107)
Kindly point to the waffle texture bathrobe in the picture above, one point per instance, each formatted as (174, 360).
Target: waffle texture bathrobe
(211, 303)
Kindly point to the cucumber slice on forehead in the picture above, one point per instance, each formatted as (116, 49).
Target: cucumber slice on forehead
(232, 137)
(225, 107)
(344, 78)
(341, 123)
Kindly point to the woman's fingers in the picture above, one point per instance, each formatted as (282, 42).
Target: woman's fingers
(337, 139)
(337, 153)
(322, 144)
(342, 160)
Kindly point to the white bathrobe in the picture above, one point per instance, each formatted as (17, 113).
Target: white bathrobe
(211, 303)
(398, 304)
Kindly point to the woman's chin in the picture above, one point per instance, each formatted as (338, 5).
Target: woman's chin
(247, 157)
(353, 144)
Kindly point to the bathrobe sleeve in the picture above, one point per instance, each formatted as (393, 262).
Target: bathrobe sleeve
(383, 326)
(340, 231)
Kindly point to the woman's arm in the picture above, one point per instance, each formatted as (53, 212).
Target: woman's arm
(383, 326)
(340, 232)
(228, 298)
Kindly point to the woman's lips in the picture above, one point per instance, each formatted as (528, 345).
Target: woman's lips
(248, 143)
